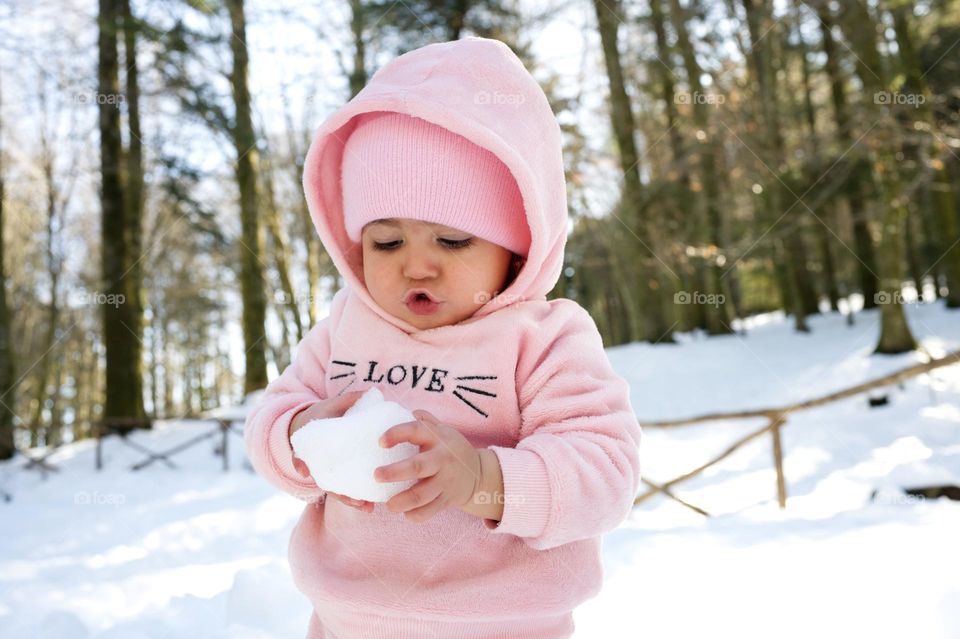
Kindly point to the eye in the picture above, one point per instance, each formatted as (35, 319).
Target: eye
(450, 244)
(457, 244)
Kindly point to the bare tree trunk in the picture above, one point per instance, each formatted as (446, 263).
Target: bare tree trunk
(911, 243)
(118, 320)
(54, 262)
(944, 191)
(822, 230)
(167, 358)
(281, 255)
(54, 436)
(358, 75)
(860, 30)
(895, 335)
(854, 190)
(647, 287)
(7, 371)
(251, 250)
(83, 401)
(311, 242)
(717, 311)
(133, 191)
(759, 22)
(154, 363)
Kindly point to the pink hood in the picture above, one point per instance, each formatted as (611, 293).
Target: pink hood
(477, 88)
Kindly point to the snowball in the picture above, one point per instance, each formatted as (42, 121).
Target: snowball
(343, 452)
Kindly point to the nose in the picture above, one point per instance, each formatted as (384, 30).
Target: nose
(420, 265)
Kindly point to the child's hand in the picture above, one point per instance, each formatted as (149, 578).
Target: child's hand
(324, 409)
(447, 463)
(359, 504)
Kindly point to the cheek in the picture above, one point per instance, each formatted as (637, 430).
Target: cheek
(371, 267)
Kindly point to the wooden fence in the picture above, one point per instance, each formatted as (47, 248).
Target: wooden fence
(776, 419)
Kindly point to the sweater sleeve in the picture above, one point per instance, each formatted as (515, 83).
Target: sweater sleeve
(266, 429)
(576, 468)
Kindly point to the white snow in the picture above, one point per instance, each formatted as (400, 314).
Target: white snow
(197, 551)
(342, 452)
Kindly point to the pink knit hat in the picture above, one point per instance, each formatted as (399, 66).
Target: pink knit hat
(397, 165)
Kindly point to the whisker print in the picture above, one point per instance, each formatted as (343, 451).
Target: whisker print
(477, 391)
(342, 375)
(467, 402)
(344, 389)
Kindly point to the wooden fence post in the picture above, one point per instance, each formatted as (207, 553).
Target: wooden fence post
(779, 421)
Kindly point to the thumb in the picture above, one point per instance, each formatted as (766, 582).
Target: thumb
(349, 399)
(301, 467)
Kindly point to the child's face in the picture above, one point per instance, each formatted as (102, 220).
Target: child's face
(400, 255)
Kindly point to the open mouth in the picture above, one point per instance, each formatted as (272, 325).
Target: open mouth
(421, 302)
(420, 295)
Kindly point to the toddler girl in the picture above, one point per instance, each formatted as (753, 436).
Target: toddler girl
(439, 193)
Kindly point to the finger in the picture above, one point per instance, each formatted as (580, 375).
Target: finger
(345, 401)
(365, 506)
(425, 416)
(428, 510)
(423, 492)
(301, 467)
(418, 466)
(349, 501)
(413, 432)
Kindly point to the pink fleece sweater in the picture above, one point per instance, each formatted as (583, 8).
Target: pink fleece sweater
(525, 377)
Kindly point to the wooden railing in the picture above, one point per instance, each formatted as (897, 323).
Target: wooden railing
(121, 427)
(776, 419)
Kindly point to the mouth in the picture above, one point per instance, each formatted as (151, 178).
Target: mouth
(421, 302)
(420, 295)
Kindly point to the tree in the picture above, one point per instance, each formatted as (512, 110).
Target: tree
(7, 385)
(856, 185)
(133, 192)
(932, 155)
(759, 22)
(860, 31)
(420, 22)
(251, 240)
(123, 367)
(55, 204)
(711, 219)
(647, 287)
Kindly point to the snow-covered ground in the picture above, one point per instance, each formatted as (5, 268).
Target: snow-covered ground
(200, 552)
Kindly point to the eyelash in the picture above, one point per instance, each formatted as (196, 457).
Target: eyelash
(450, 244)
